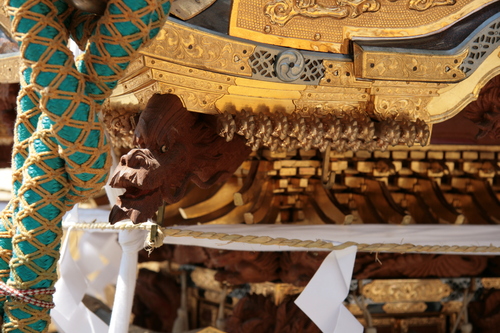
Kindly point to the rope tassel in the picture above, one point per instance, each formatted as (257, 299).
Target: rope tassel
(60, 154)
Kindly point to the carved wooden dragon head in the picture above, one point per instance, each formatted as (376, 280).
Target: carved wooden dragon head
(175, 147)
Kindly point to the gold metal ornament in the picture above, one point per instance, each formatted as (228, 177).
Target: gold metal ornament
(381, 291)
(282, 11)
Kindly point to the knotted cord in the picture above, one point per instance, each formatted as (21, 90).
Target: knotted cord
(60, 154)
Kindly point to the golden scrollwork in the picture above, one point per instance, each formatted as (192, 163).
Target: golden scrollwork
(408, 100)
(489, 283)
(198, 49)
(278, 290)
(408, 67)
(393, 19)
(339, 73)
(404, 307)
(438, 324)
(381, 291)
(282, 11)
(452, 307)
(194, 100)
(422, 5)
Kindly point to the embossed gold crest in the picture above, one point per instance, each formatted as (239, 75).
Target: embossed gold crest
(326, 26)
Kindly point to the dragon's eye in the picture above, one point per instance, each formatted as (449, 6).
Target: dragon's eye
(164, 149)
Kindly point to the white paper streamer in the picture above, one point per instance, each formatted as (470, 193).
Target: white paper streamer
(322, 298)
(131, 242)
(70, 314)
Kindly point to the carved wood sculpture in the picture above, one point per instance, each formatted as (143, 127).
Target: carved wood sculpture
(157, 298)
(254, 313)
(299, 267)
(279, 131)
(417, 266)
(484, 313)
(291, 319)
(238, 267)
(176, 147)
(485, 112)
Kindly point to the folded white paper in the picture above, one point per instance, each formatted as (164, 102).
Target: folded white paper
(322, 298)
(70, 314)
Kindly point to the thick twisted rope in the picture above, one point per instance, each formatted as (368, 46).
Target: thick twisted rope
(161, 233)
(60, 153)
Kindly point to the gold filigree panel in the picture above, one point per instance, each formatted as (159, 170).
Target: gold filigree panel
(436, 324)
(489, 283)
(278, 291)
(382, 291)
(321, 25)
(454, 98)
(335, 100)
(452, 307)
(422, 5)
(282, 11)
(339, 74)
(198, 49)
(379, 65)
(404, 307)
(403, 99)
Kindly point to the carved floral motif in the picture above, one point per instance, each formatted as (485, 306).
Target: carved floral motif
(406, 290)
(282, 11)
(354, 131)
(422, 5)
(199, 49)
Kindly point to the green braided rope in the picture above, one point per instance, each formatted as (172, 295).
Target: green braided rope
(60, 153)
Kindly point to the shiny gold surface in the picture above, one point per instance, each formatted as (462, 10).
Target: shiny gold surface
(379, 65)
(210, 330)
(199, 49)
(404, 307)
(438, 324)
(426, 4)
(282, 11)
(408, 99)
(405, 290)
(452, 307)
(451, 99)
(491, 283)
(402, 18)
(186, 9)
(276, 290)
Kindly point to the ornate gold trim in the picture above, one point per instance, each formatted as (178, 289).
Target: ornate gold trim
(277, 290)
(423, 321)
(380, 65)
(422, 5)
(452, 307)
(282, 11)
(404, 307)
(382, 291)
(199, 49)
(249, 21)
(453, 98)
(489, 283)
